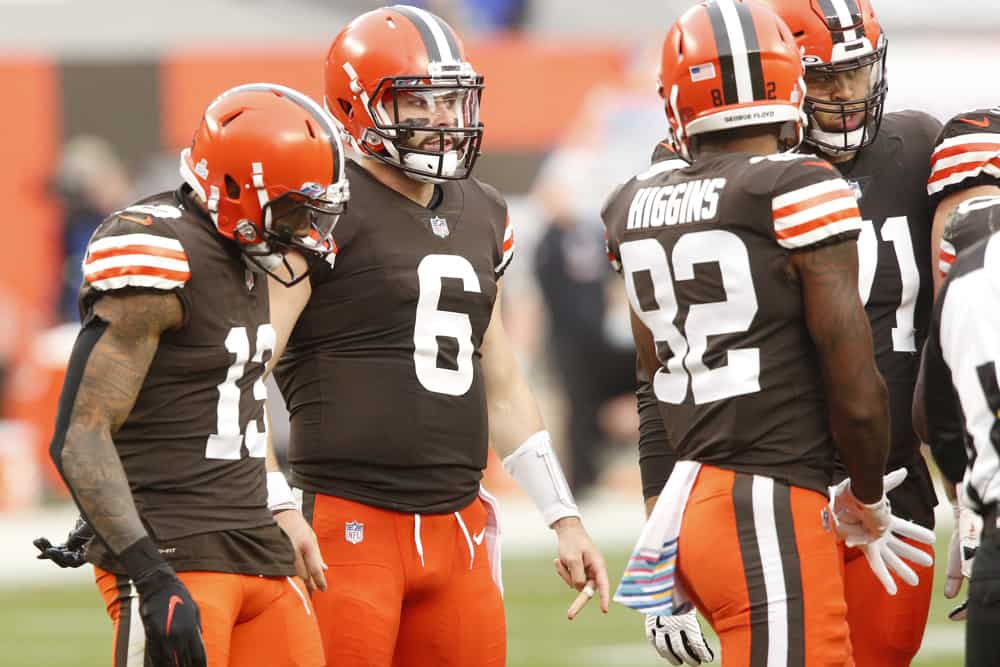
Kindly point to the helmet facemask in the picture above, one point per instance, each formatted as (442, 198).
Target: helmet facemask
(301, 220)
(838, 127)
(428, 127)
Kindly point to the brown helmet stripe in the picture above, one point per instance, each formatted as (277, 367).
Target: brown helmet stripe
(722, 45)
(438, 38)
(842, 16)
(739, 51)
(753, 50)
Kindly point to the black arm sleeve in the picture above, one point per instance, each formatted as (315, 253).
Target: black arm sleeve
(942, 411)
(656, 456)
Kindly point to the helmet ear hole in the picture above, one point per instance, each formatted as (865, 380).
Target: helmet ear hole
(232, 188)
(347, 107)
(231, 117)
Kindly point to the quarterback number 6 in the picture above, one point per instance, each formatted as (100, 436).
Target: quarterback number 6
(431, 323)
(684, 359)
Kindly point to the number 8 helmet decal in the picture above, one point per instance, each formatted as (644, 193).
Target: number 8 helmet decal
(398, 82)
(729, 64)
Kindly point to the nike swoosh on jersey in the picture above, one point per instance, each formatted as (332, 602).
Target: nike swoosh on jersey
(174, 601)
(146, 221)
(982, 122)
(478, 537)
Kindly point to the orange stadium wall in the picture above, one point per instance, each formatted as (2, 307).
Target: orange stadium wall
(533, 90)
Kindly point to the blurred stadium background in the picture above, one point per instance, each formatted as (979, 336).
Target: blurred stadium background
(100, 95)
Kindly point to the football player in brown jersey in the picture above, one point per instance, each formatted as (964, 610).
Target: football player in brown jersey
(742, 271)
(883, 157)
(398, 372)
(965, 164)
(161, 434)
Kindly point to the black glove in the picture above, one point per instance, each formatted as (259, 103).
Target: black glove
(70, 553)
(169, 615)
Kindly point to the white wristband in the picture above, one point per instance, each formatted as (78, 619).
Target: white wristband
(536, 470)
(279, 494)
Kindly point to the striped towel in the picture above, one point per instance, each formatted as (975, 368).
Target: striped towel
(648, 585)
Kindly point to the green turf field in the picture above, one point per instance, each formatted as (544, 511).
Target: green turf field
(66, 626)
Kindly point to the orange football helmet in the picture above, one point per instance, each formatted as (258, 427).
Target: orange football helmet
(397, 57)
(728, 64)
(268, 164)
(839, 38)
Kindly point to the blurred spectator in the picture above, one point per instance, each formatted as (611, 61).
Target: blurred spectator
(482, 16)
(90, 183)
(588, 325)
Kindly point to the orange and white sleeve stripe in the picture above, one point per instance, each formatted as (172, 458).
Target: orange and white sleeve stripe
(946, 257)
(136, 260)
(962, 157)
(815, 213)
(507, 248)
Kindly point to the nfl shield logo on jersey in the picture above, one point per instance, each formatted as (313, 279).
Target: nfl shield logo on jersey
(439, 226)
(354, 532)
(855, 189)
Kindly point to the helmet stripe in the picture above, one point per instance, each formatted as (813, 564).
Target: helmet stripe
(324, 119)
(434, 36)
(449, 35)
(728, 73)
(840, 16)
(736, 42)
(753, 50)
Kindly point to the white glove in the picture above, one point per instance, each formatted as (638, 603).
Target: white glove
(678, 639)
(961, 552)
(857, 522)
(882, 547)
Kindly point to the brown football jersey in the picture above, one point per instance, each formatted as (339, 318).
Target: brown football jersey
(382, 372)
(894, 264)
(704, 251)
(193, 445)
(967, 153)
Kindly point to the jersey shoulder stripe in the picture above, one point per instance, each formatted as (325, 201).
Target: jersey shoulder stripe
(962, 157)
(507, 248)
(136, 260)
(946, 256)
(814, 213)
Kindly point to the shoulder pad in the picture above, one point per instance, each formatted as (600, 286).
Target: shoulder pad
(130, 249)
(912, 124)
(491, 193)
(967, 153)
(811, 205)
